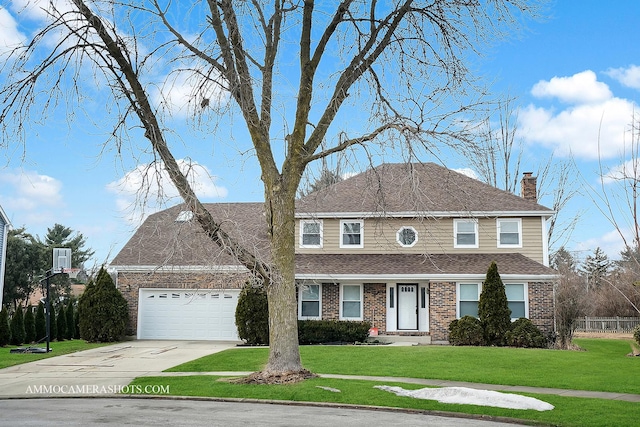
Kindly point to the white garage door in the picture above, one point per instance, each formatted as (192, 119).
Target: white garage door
(180, 314)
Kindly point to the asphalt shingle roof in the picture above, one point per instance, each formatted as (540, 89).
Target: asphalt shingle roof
(406, 187)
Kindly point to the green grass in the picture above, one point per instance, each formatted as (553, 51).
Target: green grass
(603, 366)
(568, 412)
(57, 349)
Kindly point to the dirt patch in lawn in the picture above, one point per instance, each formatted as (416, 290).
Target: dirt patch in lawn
(606, 335)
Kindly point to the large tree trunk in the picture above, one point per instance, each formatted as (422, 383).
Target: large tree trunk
(284, 355)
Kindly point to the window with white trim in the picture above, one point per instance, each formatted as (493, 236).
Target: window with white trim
(509, 232)
(465, 233)
(351, 234)
(468, 298)
(351, 302)
(516, 298)
(310, 234)
(310, 301)
(407, 236)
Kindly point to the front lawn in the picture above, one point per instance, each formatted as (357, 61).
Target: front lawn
(57, 349)
(603, 366)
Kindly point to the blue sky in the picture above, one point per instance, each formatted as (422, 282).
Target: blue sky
(575, 74)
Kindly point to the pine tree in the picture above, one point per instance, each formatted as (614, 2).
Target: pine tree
(5, 330)
(41, 323)
(29, 326)
(71, 324)
(596, 267)
(17, 327)
(493, 308)
(61, 320)
(103, 311)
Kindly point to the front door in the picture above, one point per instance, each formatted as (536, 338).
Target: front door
(407, 306)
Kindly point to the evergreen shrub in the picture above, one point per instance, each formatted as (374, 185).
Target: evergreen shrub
(466, 331)
(332, 331)
(5, 330)
(17, 327)
(524, 333)
(41, 323)
(493, 308)
(103, 311)
(252, 315)
(29, 326)
(61, 320)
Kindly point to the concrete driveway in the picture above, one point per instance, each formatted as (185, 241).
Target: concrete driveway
(101, 371)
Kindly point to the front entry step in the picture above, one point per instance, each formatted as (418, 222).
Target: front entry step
(416, 339)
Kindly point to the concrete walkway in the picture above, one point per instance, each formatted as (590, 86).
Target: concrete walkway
(106, 370)
(100, 371)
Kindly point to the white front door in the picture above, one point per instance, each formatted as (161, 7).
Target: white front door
(407, 306)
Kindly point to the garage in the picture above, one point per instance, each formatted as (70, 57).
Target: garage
(187, 314)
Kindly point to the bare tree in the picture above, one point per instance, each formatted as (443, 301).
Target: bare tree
(405, 61)
(496, 155)
(570, 297)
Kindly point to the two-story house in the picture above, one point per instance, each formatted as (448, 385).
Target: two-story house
(404, 246)
(4, 232)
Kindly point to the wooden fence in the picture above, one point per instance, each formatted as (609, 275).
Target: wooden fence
(607, 324)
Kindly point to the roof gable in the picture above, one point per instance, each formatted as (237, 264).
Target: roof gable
(394, 188)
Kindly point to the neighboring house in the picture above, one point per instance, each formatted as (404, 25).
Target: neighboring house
(404, 246)
(4, 232)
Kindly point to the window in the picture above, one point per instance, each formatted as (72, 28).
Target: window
(309, 302)
(465, 233)
(351, 235)
(509, 233)
(407, 236)
(310, 234)
(351, 302)
(468, 297)
(516, 300)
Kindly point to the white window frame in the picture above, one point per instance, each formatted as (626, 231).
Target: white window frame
(499, 222)
(351, 221)
(458, 300)
(399, 233)
(525, 290)
(342, 301)
(311, 221)
(456, 223)
(300, 301)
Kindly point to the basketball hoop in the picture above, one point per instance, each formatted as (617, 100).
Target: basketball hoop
(72, 272)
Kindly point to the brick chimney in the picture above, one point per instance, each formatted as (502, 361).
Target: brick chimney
(529, 189)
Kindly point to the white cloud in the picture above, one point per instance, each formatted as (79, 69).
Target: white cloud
(579, 89)
(610, 242)
(148, 188)
(593, 127)
(10, 36)
(32, 198)
(629, 76)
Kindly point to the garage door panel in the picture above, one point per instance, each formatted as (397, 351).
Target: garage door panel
(187, 314)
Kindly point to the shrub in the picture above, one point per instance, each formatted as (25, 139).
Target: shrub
(29, 326)
(524, 333)
(17, 327)
(71, 322)
(466, 331)
(5, 330)
(493, 308)
(53, 325)
(102, 311)
(41, 323)
(61, 320)
(636, 334)
(332, 331)
(252, 315)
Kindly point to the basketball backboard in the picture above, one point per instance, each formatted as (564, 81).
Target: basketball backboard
(61, 259)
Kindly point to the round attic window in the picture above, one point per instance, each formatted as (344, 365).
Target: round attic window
(407, 236)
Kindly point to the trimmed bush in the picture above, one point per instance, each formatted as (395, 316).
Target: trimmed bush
(466, 331)
(53, 324)
(41, 323)
(636, 334)
(29, 326)
(493, 308)
(5, 330)
(252, 315)
(332, 331)
(71, 321)
(17, 327)
(102, 310)
(61, 320)
(524, 333)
